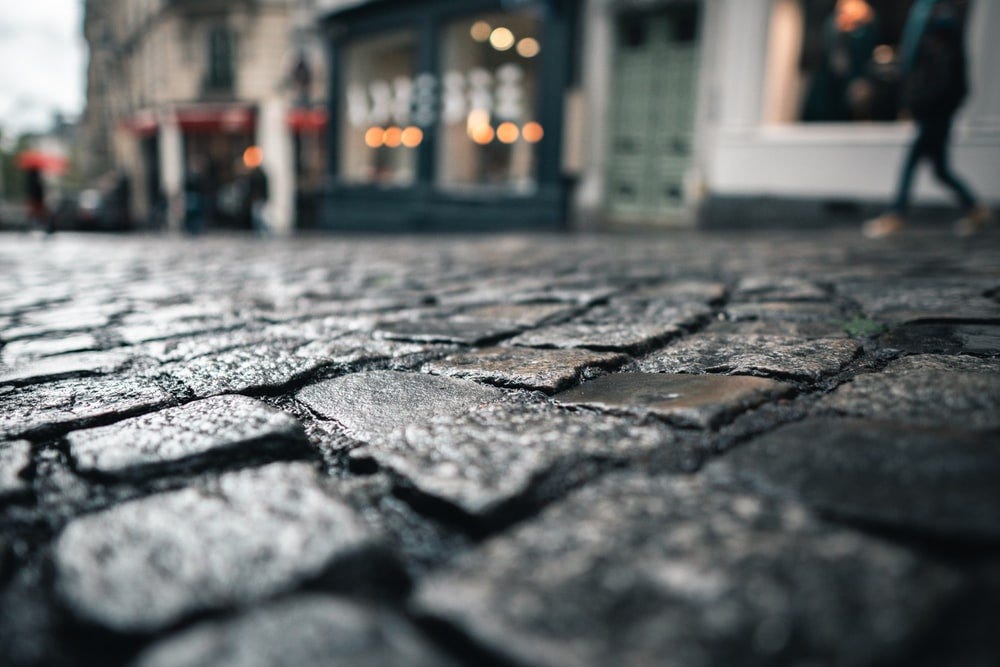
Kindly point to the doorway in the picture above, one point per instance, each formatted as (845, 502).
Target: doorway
(653, 113)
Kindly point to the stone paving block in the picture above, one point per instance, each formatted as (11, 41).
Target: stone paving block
(200, 345)
(133, 334)
(15, 457)
(216, 428)
(799, 330)
(448, 330)
(148, 563)
(521, 315)
(76, 403)
(779, 288)
(634, 570)
(945, 338)
(487, 460)
(945, 363)
(911, 301)
(581, 293)
(678, 292)
(357, 348)
(19, 351)
(304, 630)
(266, 366)
(641, 313)
(545, 370)
(784, 311)
(942, 482)
(699, 401)
(621, 337)
(919, 391)
(61, 320)
(79, 364)
(373, 404)
(753, 354)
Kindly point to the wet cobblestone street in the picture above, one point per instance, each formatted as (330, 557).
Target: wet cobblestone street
(683, 449)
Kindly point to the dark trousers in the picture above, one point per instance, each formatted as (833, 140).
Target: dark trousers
(931, 143)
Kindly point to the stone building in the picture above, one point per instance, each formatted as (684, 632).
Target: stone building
(175, 85)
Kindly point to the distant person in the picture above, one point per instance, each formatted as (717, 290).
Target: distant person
(194, 199)
(935, 85)
(38, 213)
(841, 89)
(122, 196)
(256, 189)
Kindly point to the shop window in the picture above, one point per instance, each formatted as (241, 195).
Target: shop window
(835, 60)
(379, 133)
(490, 87)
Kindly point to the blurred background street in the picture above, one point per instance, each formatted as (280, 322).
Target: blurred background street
(477, 115)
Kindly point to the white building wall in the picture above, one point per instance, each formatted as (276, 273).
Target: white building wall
(749, 157)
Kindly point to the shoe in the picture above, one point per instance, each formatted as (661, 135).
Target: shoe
(885, 225)
(974, 221)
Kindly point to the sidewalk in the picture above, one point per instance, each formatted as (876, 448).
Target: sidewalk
(682, 449)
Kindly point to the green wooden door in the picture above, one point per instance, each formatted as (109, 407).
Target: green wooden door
(653, 108)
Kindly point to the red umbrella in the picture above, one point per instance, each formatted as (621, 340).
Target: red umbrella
(50, 162)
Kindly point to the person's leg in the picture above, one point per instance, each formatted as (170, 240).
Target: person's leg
(937, 150)
(891, 222)
(918, 149)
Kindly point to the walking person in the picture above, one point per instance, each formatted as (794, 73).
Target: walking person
(935, 80)
(257, 190)
(194, 198)
(38, 212)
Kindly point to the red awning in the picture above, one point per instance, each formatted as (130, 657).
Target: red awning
(306, 120)
(216, 119)
(143, 123)
(48, 162)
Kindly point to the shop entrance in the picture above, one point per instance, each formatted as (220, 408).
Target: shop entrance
(653, 113)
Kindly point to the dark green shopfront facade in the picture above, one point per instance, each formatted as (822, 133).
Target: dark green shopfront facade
(448, 115)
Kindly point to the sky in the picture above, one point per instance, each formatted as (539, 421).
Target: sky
(42, 62)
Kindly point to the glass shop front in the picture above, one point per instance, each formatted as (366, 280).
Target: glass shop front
(447, 115)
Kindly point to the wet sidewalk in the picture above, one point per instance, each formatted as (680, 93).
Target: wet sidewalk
(683, 449)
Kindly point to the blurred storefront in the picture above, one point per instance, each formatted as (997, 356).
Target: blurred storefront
(407, 115)
(448, 114)
(761, 108)
(183, 88)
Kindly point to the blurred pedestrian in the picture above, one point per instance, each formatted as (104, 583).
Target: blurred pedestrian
(935, 85)
(256, 189)
(194, 198)
(840, 89)
(38, 212)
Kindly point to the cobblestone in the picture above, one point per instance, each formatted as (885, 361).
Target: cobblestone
(76, 403)
(312, 630)
(942, 482)
(685, 400)
(707, 577)
(373, 405)
(933, 393)
(148, 563)
(527, 368)
(15, 457)
(690, 449)
(489, 459)
(219, 427)
(622, 337)
(754, 354)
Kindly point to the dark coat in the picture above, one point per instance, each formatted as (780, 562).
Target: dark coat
(938, 83)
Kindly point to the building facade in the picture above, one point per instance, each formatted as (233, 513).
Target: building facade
(448, 114)
(176, 86)
(742, 114)
(652, 112)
